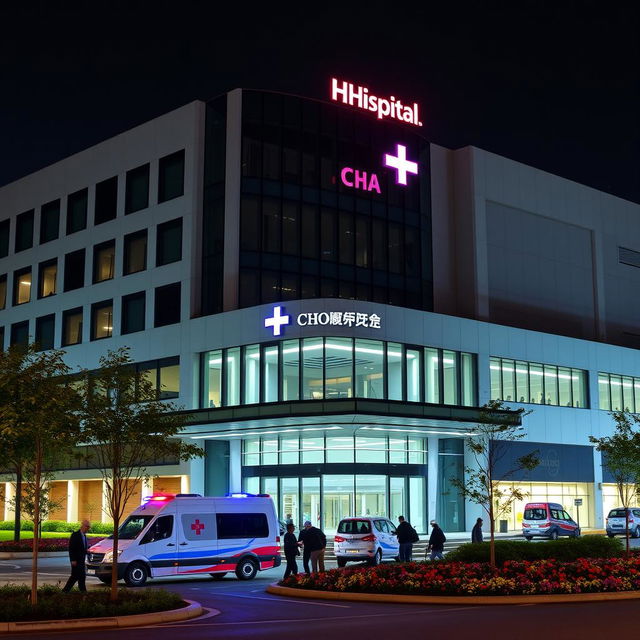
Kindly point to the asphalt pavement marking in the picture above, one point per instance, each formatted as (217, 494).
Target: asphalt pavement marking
(317, 604)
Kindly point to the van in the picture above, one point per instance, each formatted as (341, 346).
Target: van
(547, 520)
(174, 535)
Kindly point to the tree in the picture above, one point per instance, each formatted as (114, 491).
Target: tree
(38, 414)
(483, 484)
(127, 428)
(621, 455)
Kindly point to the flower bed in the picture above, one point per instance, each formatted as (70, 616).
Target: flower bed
(540, 577)
(46, 544)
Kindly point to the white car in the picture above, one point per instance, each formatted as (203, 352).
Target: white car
(617, 522)
(371, 538)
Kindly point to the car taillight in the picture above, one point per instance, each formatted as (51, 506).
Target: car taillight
(525, 525)
(369, 538)
(278, 539)
(544, 525)
(339, 539)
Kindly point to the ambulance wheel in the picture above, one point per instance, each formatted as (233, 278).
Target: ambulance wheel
(135, 574)
(246, 569)
(219, 576)
(553, 535)
(377, 559)
(528, 538)
(576, 533)
(342, 562)
(104, 580)
(611, 535)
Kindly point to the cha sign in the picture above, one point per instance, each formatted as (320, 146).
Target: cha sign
(357, 96)
(280, 319)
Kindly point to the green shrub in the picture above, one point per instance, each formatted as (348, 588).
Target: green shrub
(102, 527)
(566, 550)
(60, 525)
(53, 604)
(7, 525)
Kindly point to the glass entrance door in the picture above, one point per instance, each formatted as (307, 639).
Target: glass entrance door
(337, 501)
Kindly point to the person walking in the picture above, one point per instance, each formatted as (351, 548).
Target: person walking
(78, 556)
(313, 545)
(289, 519)
(291, 552)
(436, 542)
(476, 532)
(406, 537)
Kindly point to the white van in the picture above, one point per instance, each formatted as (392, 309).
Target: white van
(187, 534)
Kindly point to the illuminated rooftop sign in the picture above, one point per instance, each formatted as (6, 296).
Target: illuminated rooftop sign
(280, 319)
(357, 96)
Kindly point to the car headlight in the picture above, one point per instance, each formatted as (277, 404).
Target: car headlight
(108, 557)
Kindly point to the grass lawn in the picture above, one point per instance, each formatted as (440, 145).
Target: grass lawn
(28, 535)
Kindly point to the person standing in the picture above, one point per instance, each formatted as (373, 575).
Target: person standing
(314, 543)
(305, 538)
(78, 556)
(436, 542)
(476, 532)
(291, 552)
(289, 519)
(406, 537)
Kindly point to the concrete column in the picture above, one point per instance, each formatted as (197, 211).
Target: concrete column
(184, 484)
(598, 515)
(9, 494)
(147, 488)
(196, 471)
(105, 517)
(472, 511)
(235, 465)
(432, 479)
(73, 491)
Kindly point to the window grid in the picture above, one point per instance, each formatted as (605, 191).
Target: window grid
(618, 392)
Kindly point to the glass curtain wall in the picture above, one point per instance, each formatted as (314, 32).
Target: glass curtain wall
(618, 393)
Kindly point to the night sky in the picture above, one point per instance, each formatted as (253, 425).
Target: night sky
(556, 87)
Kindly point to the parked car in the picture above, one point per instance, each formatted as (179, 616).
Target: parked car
(616, 522)
(371, 538)
(548, 520)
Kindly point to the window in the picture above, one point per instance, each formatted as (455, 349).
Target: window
(102, 320)
(45, 327)
(74, 270)
(251, 374)
(242, 525)
(3, 291)
(369, 368)
(24, 231)
(213, 379)
(77, 211)
(135, 252)
(106, 200)
(5, 227)
(104, 261)
(171, 176)
(133, 310)
(20, 333)
(47, 276)
(161, 529)
(169, 242)
(22, 286)
(1, 338)
(137, 189)
(72, 327)
(49, 221)
(169, 374)
(167, 305)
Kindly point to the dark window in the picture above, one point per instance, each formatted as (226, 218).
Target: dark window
(106, 200)
(1, 338)
(161, 529)
(74, 270)
(77, 211)
(104, 261)
(45, 327)
(102, 320)
(24, 231)
(242, 525)
(3, 291)
(72, 327)
(47, 276)
(137, 189)
(49, 221)
(5, 227)
(20, 333)
(22, 286)
(169, 242)
(171, 176)
(133, 307)
(167, 305)
(135, 252)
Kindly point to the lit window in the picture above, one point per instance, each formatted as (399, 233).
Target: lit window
(103, 261)
(22, 286)
(102, 320)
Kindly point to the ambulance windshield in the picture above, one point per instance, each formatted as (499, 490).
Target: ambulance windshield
(130, 529)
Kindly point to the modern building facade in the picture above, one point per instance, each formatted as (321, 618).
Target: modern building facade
(331, 298)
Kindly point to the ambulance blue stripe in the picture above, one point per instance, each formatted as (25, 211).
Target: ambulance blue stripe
(201, 552)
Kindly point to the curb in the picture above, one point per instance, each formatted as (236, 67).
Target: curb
(26, 555)
(193, 610)
(469, 600)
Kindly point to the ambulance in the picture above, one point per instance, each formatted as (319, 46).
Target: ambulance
(187, 534)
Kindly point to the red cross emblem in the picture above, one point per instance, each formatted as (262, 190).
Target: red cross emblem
(197, 526)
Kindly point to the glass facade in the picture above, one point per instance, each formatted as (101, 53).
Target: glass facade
(333, 368)
(618, 393)
(530, 382)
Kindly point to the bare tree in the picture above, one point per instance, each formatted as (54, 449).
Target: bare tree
(485, 484)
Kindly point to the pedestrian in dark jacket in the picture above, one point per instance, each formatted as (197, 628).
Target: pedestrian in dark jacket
(476, 532)
(78, 556)
(291, 552)
(436, 542)
(314, 543)
(406, 537)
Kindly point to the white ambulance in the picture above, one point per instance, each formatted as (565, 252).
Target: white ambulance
(173, 535)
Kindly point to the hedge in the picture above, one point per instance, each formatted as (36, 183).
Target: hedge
(58, 525)
(565, 550)
(53, 604)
